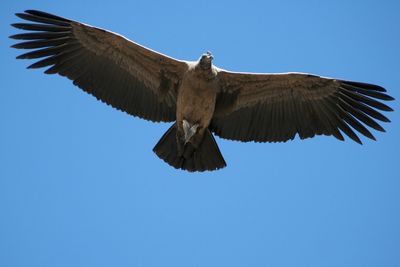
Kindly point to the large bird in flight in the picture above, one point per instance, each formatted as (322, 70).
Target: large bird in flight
(198, 97)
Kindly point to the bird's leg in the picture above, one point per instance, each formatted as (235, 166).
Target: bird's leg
(189, 138)
(189, 130)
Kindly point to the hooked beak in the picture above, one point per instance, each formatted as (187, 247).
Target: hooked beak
(189, 130)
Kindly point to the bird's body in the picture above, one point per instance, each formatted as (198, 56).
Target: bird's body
(198, 97)
(196, 100)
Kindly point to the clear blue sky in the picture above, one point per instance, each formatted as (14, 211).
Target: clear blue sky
(80, 185)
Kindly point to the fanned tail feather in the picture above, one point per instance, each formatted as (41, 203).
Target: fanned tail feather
(206, 157)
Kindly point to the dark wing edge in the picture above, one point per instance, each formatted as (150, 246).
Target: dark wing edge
(117, 71)
(277, 107)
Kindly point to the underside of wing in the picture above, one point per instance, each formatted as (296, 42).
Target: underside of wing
(277, 107)
(112, 68)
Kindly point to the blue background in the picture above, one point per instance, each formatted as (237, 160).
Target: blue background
(80, 185)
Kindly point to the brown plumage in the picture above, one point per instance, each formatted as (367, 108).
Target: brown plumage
(199, 97)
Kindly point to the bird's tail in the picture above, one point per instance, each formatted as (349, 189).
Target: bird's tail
(206, 157)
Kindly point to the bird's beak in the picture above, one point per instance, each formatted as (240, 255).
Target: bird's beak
(188, 130)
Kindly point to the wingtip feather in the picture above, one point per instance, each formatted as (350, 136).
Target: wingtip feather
(15, 25)
(45, 15)
(17, 46)
(19, 15)
(14, 36)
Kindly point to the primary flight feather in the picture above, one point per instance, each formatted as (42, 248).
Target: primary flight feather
(200, 98)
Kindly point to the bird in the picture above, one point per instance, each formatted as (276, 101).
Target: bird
(200, 99)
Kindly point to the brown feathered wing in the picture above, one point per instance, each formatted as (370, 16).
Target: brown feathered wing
(276, 107)
(115, 70)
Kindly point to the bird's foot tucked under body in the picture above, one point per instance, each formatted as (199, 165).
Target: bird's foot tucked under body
(188, 130)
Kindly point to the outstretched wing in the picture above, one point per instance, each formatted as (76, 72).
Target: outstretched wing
(112, 68)
(276, 107)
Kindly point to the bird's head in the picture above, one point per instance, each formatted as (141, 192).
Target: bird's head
(205, 61)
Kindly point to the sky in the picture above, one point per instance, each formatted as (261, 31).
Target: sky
(80, 185)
